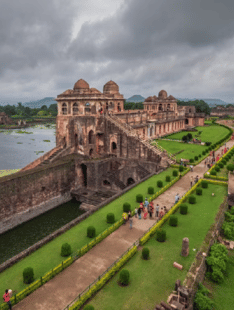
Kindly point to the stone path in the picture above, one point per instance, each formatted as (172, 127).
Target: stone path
(65, 287)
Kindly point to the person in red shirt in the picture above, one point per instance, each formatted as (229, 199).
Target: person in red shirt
(6, 298)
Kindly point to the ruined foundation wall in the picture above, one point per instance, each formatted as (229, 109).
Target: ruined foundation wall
(27, 194)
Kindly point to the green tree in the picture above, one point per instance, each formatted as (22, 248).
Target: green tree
(44, 108)
(200, 105)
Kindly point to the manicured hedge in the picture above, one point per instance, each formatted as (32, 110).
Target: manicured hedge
(126, 207)
(198, 191)
(192, 199)
(161, 235)
(183, 209)
(91, 232)
(139, 198)
(173, 220)
(145, 253)
(159, 183)
(66, 250)
(150, 190)
(110, 218)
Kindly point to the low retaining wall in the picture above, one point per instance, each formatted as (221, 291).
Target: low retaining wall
(30, 213)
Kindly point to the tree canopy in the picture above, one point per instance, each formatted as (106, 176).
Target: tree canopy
(200, 105)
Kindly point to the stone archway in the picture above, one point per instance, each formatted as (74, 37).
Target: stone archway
(91, 152)
(91, 137)
(186, 121)
(84, 174)
(113, 147)
(130, 181)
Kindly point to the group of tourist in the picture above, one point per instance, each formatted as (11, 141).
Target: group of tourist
(194, 180)
(147, 210)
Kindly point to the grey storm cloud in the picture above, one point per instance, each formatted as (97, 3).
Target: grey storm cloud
(144, 46)
(151, 28)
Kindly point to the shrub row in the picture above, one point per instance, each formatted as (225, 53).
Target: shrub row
(201, 300)
(158, 225)
(211, 173)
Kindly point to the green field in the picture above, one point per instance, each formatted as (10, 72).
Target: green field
(208, 133)
(153, 280)
(48, 257)
(187, 150)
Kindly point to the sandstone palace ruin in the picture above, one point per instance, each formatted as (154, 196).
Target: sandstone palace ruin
(101, 149)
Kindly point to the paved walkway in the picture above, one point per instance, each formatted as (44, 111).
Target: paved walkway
(65, 287)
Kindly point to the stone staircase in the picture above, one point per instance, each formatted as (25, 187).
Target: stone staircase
(142, 171)
(90, 197)
(50, 159)
(111, 176)
(167, 158)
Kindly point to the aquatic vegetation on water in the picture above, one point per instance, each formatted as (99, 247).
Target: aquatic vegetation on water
(24, 131)
(46, 140)
(32, 139)
(19, 142)
(38, 152)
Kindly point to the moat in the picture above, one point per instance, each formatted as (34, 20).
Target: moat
(19, 147)
(23, 236)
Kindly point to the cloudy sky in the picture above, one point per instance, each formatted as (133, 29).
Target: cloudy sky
(183, 46)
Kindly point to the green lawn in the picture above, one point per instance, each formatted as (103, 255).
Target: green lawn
(7, 172)
(222, 294)
(208, 133)
(152, 281)
(188, 150)
(48, 257)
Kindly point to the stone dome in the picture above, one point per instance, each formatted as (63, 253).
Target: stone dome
(149, 99)
(162, 94)
(171, 97)
(110, 88)
(155, 98)
(81, 84)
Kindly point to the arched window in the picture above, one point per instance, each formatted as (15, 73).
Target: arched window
(64, 109)
(75, 109)
(119, 107)
(113, 147)
(91, 137)
(190, 110)
(160, 107)
(168, 106)
(107, 106)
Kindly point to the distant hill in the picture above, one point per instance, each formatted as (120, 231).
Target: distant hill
(210, 102)
(136, 98)
(39, 103)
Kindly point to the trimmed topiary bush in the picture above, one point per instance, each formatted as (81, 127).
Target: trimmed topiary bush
(183, 209)
(145, 253)
(196, 157)
(230, 167)
(213, 172)
(175, 173)
(168, 178)
(217, 169)
(150, 190)
(204, 152)
(192, 200)
(66, 250)
(220, 165)
(110, 218)
(89, 307)
(173, 220)
(159, 183)
(161, 235)
(124, 277)
(198, 191)
(139, 198)
(126, 207)
(28, 275)
(191, 160)
(91, 232)
(181, 168)
(204, 184)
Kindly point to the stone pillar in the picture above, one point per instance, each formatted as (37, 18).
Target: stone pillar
(185, 247)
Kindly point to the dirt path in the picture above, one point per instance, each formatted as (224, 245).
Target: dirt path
(65, 287)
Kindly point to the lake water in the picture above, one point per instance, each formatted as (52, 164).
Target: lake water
(19, 149)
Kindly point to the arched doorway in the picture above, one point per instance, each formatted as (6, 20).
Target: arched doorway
(91, 137)
(76, 140)
(91, 152)
(186, 121)
(130, 181)
(64, 142)
(106, 183)
(84, 173)
(113, 147)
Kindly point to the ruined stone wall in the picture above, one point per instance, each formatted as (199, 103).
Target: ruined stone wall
(27, 194)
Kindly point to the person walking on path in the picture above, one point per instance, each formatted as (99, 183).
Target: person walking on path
(165, 210)
(161, 214)
(150, 211)
(130, 222)
(191, 181)
(191, 167)
(136, 210)
(139, 213)
(6, 297)
(157, 210)
(177, 198)
(129, 214)
(146, 204)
